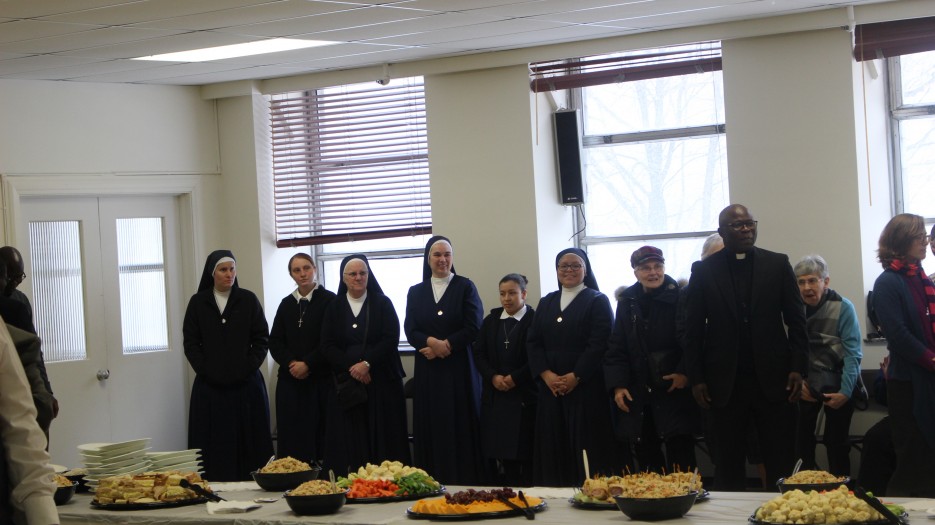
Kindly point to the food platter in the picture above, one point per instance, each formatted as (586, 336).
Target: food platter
(473, 515)
(904, 517)
(610, 505)
(147, 506)
(389, 499)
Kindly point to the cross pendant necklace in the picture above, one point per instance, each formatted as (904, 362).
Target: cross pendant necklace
(506, 338)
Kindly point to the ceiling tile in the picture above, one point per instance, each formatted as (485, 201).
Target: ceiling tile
(137, 12)
(437, 22)
(37, 8)
(85, 40)
(477, 32)
(364, 17)
(30, 29)
(39, 62)
(77, 71)
(244, 16)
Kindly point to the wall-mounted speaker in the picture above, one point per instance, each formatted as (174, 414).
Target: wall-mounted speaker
(568, 155)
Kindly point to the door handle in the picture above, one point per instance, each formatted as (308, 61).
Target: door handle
(103, 374)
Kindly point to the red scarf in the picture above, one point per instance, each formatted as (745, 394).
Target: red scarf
(912, 270)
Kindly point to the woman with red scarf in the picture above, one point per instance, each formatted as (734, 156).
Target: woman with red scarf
(904, 299)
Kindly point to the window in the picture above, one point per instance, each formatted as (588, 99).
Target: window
(654, 158)
(912, 89)
(350, 170)
(350, 163)
(397, 264)
(142, 270)
(57, 289)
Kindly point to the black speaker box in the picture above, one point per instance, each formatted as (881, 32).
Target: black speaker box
(568, 154)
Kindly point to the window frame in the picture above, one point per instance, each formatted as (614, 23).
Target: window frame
(584, 240)
(898, 112)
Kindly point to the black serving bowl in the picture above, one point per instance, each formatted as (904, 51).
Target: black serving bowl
(805, 487)
(63, 494)
(318, 504)
(652, 509)
(279, 482)
(81, 481)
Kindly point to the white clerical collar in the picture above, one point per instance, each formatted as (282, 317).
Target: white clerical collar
(518, 315)
(741, 256)
(298, 295)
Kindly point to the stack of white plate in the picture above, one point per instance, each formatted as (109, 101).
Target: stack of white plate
(182, 460)
(114, 459)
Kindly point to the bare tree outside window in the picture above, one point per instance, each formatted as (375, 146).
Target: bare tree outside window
(656, 170)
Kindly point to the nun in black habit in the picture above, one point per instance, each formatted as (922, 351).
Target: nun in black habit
(508, 399)
(304, 376)
(443, 316)
(360, 339)
(566, 346)
(225, 340)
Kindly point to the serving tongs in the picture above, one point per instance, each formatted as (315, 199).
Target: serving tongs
(527, 511)
(877, 505)
(201, 491)
(530, 514)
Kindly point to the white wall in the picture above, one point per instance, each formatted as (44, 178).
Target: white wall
(486, 184)
(792, 146)
(73, 127)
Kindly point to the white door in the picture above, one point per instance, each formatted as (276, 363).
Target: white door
(103, 279)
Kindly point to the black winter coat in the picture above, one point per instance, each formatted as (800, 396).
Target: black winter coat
(644, 347)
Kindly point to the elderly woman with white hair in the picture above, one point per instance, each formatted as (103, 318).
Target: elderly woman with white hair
(226, 338)
(834, 355)
(443, 318)
(360, 339)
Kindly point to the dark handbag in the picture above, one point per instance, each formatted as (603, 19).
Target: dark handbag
(661, 364)
(350, 392)
(658, 364)
(861, 396)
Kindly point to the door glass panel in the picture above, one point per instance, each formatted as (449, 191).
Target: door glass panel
(141, 263)
(58, 289)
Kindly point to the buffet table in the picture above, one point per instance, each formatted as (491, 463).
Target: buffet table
(719, 508)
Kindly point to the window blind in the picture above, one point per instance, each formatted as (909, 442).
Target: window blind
(350, 163)
(624, 67)
(894, 38)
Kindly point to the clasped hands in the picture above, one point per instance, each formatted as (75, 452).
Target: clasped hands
(439, 348)
(559, 385)
(503, 383)
(361, 372)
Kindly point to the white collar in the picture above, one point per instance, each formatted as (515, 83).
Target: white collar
(358, 300)
(298, 295)
(518, 315)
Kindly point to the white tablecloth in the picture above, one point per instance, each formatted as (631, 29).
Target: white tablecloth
(720, 508)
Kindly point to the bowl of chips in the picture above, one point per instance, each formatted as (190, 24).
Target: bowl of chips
(284, 474)
(64, 490)
(315, 497)
(806, 480)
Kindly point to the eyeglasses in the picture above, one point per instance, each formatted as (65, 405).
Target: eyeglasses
(570, 267)
(925, 238)
(646, 268)
(738, 226)
(354, 275)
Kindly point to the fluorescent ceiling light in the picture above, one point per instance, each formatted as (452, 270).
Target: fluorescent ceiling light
(259, 47)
